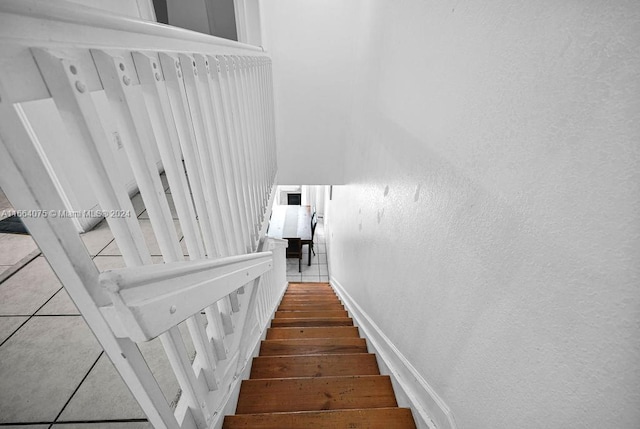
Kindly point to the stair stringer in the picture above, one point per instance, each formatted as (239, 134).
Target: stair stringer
(412, 390)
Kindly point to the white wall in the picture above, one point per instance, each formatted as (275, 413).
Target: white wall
(312, 47)
(491, 221)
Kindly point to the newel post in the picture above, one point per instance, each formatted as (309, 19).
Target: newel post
(278, 247)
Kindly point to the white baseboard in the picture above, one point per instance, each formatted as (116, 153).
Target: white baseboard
(413, 391)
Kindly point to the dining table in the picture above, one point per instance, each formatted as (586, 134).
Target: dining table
(291, 222)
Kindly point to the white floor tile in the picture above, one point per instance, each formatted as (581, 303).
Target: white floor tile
(309, 278)
(322, 258)
(324, 278)
(324, 270)
(310, 270)
(149, 238)
(61, 303)
(293, 270)
(158, 362)
(26, 427)
(138, 204)
(25, 291)
(9, 324)
(294, 277)
(98, 238)
(102, 386)
(14, 247)
(51, 351)
(172, 209)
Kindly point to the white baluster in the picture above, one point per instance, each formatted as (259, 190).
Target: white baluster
(152, 83)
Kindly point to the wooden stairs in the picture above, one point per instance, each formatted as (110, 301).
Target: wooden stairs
(314, 371)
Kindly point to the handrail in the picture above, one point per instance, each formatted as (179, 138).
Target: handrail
(127, 278)
(134, 93)
(73, 13)
(148, 300)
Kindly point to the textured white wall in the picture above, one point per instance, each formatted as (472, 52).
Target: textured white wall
(312, 46)
(491, 221)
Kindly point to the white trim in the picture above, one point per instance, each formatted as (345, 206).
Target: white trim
(429, 410)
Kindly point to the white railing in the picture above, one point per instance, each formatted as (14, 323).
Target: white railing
(204, 108)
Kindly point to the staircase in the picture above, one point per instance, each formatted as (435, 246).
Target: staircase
(314, 371)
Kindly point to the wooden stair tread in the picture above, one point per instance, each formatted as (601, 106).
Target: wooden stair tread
(292, 314)
(299, 300)
(315, 394)
(314, 371)
(305, 346)
(370, 418)
(317, 365)
(312, 332)
(308, 297)
(310, 306)
(295, 284)
(312, 321)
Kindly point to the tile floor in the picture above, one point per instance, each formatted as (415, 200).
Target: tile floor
(318, 270)
(53, 373)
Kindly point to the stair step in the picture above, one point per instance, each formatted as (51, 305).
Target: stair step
(296, 314)
(314, 371)
(311, 289)
(314, 289)
(314, 366)
(368, 418)
(312, 332)
(293, 284)
(312, 321)
(315, 394)
(311, 306)
(308, 297)
(309, 346)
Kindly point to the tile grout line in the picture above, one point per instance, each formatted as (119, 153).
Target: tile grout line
(31, 316)
(101, 250)
(76, 389)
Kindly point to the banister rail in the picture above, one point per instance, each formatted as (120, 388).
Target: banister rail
(77, 13)
(155, 102)
(149, 300)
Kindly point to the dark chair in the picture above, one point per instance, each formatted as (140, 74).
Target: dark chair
(294, 250)
(314, 222)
